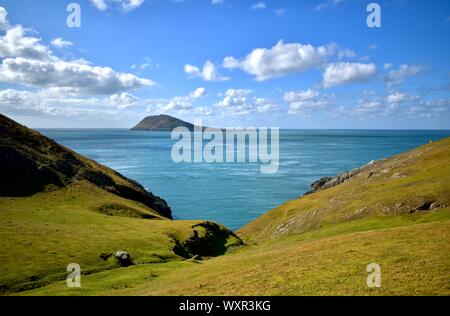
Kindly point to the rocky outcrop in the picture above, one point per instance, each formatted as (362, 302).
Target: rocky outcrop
(31, 163)
(329, 182)
(208, 239)
(124, 258)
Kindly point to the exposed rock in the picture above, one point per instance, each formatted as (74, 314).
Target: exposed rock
(31, 163)
(208, 239)
(124, 258)
(329, 182)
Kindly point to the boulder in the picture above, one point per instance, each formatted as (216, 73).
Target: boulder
(124, 258)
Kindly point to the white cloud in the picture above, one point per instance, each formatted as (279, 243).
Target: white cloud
(328, 4)
(203, 110)
(345, 53)
(177, 104)
(124, 100)
(26, 61)
(264, 105)
(237, 102)
(54, 103)
(4, 24)
(15, 43)
(61, 43)
(234, 97)
(280, 60)
(308, 107)
(208, 73)
(399, 75)
(99, 4)
(296, 96)
(147, 63)
(197, 93)
(76, 77)
(307, 102)
(399, 97)
(343, 73)
(214, 2)
(259, 6)
(126, 5)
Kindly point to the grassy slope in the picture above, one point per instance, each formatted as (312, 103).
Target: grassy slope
(40, 235)
(389, 188)
(413, 252)
(326, 241)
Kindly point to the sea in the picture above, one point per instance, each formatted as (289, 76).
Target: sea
(234, 194)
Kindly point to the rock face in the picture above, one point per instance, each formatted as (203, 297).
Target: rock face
(124, 258)
(31, 163)
(208, 240)
(329, 182)
(161, 123)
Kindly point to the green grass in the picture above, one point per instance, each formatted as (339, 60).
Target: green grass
(424, 176)
(42, 234)
(413, 253)
(320, 244)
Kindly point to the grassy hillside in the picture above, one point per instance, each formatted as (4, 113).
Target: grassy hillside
(42, 234)
(394, 213)
(57, 208)
(413, 252)
(415, 181)
(31, 163)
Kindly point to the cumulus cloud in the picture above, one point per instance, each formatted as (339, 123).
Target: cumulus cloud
(259, 6)
(15, 43)
(397, 105)
(208, 73)
(126, 5)
(307, 102)
(343, 73)
(238, 102)
(124, 100)
(197, 93)
(281, 59)
(403, 72)
(265, 105)
(74, 76)
(400, 97)
(26, 61)
(328, 4)
(61, 43)
(177, 104)
(4, 24)
(234, 97)
(52, 102)
(296, 96)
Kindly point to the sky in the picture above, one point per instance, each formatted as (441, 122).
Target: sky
(229, 63)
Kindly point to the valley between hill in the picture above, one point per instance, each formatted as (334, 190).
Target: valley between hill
(393, 212)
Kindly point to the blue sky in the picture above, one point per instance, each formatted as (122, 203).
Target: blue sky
(290, 64)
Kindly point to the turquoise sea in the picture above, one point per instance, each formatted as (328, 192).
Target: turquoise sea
(236, 193)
